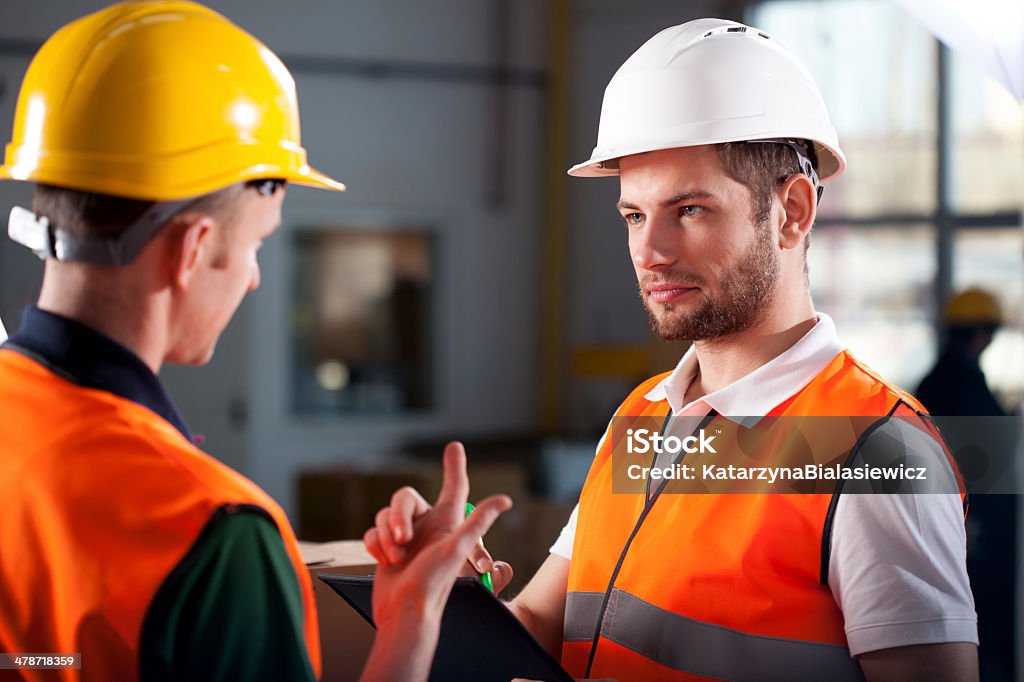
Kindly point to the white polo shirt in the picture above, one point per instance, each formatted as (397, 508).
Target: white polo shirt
(897, 566)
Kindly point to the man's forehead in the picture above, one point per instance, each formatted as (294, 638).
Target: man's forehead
(671, 175)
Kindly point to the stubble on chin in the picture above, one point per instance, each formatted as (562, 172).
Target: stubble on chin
(743, 295)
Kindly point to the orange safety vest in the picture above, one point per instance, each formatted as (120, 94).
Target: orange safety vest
(719, 586)
(102, 499)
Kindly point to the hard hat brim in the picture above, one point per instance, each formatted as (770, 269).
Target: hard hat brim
(831, 161)
(304, 175)
(314, 178)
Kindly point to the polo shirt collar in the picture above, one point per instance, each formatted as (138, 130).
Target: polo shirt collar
(92, 360)
(756, 394)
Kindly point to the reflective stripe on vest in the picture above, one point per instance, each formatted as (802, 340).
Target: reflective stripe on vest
(719, 586)
(691, 646)
(102, 500)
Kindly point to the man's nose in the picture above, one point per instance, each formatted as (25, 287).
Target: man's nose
(655, 245)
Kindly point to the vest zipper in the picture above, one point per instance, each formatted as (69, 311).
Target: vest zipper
(649, 501)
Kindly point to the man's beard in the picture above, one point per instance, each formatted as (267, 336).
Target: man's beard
(742, 295)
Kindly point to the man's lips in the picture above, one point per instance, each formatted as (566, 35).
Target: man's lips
(668, 292)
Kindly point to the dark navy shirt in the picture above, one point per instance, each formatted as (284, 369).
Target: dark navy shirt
(93, 360)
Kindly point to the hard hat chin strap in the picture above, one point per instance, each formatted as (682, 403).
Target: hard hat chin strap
(49, 241)
(804, 153)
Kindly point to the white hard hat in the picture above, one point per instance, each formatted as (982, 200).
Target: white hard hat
(709, 81)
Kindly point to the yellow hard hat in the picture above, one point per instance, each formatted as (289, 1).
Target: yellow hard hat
(972, 306)
(158, 100)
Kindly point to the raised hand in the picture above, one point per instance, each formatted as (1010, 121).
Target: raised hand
(413, 580)
(400, 525)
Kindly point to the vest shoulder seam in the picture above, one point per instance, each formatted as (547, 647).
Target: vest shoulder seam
(891, 389)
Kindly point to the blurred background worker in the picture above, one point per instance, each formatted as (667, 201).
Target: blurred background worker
(956, 387)
(160, 137)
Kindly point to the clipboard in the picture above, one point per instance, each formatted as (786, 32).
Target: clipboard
(481, 641)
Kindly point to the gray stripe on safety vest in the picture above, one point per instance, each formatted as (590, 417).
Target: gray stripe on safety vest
(699, 648)
(581, 612)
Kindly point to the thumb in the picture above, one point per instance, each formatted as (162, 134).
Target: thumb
(501, 576)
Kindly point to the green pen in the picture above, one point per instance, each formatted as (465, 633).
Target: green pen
(485, 578)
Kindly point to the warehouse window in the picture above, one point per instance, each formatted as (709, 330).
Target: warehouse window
(875, 281)
(361, 316)
(930, 202)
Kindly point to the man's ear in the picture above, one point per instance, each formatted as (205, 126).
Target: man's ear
(190, 245)
(799, 203)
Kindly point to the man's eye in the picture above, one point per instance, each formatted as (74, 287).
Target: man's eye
(691, 211)
(633, 218)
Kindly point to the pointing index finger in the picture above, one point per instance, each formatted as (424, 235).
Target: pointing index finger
(455, 486)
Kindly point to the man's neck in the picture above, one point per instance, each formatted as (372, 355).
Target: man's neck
(724, 360)
(109, 309)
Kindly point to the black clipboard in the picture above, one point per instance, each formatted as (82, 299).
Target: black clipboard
(481, 641)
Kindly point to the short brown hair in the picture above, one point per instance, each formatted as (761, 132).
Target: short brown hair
(762, 168)
(88, 214)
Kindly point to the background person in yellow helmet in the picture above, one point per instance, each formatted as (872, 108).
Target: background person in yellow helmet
(721, 142)
(161, 137)
(956, 387)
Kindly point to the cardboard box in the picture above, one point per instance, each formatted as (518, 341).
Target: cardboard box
(345, 638)
(341, 502)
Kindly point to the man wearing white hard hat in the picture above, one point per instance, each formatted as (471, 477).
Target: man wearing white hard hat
(722, 142)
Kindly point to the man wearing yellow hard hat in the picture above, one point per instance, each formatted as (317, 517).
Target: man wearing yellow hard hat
(160, 138)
